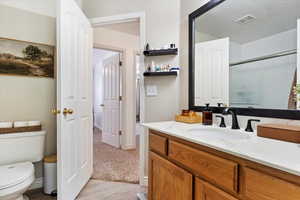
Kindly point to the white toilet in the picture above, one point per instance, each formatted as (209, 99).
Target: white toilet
(17, 153)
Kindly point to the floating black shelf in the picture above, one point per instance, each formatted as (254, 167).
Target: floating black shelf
(161, 52)
(160, 73)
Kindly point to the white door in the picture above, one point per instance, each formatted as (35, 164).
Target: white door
(212, 72)
(111, 110)
(74, 94)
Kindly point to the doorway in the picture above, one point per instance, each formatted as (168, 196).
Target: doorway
(127, 34)
(111, 161)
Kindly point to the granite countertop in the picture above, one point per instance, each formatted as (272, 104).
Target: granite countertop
(277, 154)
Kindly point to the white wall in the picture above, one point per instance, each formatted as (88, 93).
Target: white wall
(29, 98)
(130, 44)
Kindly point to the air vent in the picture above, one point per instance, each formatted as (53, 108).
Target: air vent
(245, 19)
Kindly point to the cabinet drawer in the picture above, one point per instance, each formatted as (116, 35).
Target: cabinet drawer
(218, 171)
(206, 191)
(260, 186)
(158, 143)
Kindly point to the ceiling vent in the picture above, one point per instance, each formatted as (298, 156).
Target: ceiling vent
(245, 19)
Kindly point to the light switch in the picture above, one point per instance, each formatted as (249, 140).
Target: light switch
(151, 90)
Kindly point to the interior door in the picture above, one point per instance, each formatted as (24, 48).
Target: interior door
(111, 110)
(74, 95)
(212, 72)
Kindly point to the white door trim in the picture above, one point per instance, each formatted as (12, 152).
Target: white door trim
(141, 16)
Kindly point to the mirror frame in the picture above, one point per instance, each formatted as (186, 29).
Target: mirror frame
(257, 112)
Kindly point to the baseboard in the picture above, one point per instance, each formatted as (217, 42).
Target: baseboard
(38, 183)
(128, 147)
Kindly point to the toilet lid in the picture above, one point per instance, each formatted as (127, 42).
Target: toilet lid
(15, 173)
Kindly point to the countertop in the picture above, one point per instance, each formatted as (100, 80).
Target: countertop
(277, 154)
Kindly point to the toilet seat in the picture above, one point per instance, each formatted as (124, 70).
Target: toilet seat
(15, 174)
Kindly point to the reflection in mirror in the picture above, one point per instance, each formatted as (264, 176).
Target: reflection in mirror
(245, 54)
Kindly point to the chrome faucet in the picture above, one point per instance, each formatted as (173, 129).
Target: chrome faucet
(235, 123)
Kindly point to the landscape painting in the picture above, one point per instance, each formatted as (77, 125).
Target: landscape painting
(26, 59)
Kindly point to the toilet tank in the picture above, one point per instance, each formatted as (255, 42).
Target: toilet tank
(22, 147)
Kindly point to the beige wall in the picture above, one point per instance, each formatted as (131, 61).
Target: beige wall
(28, 98)
(130, 44)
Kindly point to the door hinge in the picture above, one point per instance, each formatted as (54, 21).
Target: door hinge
(120, 98)
(120, 132)
(120, 63)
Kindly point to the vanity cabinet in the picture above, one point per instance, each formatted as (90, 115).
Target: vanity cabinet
(182, 170)
(168, 181)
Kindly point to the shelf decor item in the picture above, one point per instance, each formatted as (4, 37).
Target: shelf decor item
(190, 118)
(26, 58)
(20, 129)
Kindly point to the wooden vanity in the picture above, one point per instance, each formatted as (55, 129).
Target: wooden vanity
(182, 170)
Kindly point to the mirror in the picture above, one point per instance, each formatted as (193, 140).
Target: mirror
(244, 54)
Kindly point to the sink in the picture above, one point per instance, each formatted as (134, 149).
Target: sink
(214, 133)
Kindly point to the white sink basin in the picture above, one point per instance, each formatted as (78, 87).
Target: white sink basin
(218, 133)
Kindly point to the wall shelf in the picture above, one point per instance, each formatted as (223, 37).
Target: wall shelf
(161, 52)
(160, 73)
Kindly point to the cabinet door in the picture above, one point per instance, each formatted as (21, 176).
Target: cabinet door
(205, 191)
(168, 181)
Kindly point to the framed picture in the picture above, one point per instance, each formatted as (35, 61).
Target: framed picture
(26, 58)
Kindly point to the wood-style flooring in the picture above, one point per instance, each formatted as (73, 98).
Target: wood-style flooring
(99, 190)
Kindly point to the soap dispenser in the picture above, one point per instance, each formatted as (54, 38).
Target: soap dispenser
(207, 116)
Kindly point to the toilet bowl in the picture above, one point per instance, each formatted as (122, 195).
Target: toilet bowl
(18, 152)
(15, 180)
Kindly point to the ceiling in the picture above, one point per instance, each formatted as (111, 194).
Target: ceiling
(272, 17)
(132, 28)
(42, 7)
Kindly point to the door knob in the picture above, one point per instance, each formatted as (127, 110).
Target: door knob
(68, 111)
(55, 111)
(102, 105)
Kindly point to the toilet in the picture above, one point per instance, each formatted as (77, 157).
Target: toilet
(18, 152)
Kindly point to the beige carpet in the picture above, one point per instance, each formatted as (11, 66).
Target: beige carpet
(112, 164)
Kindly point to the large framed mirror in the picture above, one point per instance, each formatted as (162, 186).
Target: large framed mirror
(243, 54)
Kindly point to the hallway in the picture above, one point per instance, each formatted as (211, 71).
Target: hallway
(111, 164)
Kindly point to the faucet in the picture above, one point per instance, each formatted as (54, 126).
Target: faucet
(235, 123)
